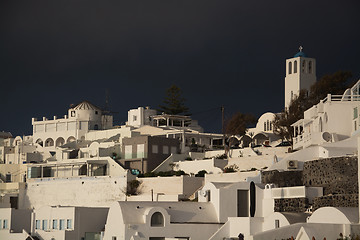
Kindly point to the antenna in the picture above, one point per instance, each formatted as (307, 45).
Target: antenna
(106, 99)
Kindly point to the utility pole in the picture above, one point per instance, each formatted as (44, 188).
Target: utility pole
(223, 123)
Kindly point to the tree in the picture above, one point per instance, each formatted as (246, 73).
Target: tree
(284, 120)
(238, 124)
(335, 83)
(174, 103)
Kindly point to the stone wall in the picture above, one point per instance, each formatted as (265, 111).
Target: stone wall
(282, 179)
(338, 200)
(336, 175)
(291, 205)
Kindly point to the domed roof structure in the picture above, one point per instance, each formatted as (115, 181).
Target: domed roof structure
(300, 53)
(85, 105)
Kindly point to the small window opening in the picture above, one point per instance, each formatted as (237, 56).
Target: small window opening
(290, 66)
(157, 220)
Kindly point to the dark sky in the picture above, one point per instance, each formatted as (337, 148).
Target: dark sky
(219, 52)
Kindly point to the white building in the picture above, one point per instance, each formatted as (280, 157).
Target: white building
(263, 133)
(67, 223)
(94, 182)
(223, 211)
(300, 74)
(82, 118)
(147, 122)
(14, 223)
(161, 220)
(140, 116)
(333, 119)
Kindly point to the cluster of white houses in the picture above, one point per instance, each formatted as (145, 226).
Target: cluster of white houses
(76, 177)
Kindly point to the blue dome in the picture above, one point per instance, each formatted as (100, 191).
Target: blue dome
(300, 54)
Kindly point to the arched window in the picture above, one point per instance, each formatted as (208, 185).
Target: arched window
(96, 127)
(310, 67)
(303, 66)
(49, 142)
(70, 139)
(320, 125)
(157, 220)
(264, 126)
(290, 66)
(40, 142)
(60, 141)
(268, 125)
(295, 66)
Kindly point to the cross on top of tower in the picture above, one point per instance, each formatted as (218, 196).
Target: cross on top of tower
(300, 48)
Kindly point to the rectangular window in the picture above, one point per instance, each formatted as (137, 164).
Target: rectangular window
(173, 150)
(68, 224)
(5, 224)
(243, 207)
(355, 113)
(140, 151)
(134, 118)
(165, 150)
(54, 223)
(44, 224)
(155, 149)
(277, 223)
(128, 152)
(62, 224)
(8, 178)
(355, 125)
(37, 224)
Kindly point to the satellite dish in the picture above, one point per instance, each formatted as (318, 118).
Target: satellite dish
(347, 95)
(326, 136)
(203, 193)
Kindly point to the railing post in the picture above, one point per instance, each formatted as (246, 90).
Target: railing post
(329, 97)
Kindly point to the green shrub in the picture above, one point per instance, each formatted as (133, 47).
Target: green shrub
(231, 168)
(132, 187)
(222, 156)
(201, 173)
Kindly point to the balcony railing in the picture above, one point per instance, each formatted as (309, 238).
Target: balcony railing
(338, 98)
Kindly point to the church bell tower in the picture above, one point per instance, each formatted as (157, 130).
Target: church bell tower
(300, 74)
